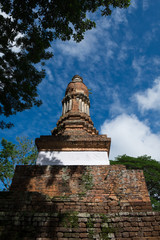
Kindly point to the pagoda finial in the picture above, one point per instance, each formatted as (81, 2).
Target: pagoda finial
(77, 78)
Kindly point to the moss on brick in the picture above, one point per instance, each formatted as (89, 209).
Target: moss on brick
(69, 219)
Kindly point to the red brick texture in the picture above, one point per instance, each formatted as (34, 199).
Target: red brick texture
(29, 225)
(74, 142)
(77, 87)
(89, 188)
(77, 202)
(75, 120)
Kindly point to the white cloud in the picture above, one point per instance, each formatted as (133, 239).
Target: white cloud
(119, 16)
(143, 66)
(49, 74)
(133, 6)
(123, 53)
(116, 107)
(92, 45)
(79, 50)
(138, 65)
(156, 61)
(150, 98)
(131, 136)
(145, 5)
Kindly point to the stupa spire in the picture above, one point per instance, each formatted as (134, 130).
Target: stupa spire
(75, 117)
(74, 141)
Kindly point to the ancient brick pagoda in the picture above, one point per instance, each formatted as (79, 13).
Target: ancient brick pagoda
(72, 192)
(74, 141)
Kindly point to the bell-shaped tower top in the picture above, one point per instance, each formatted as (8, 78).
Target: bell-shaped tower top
(77, 87)
(75, 117)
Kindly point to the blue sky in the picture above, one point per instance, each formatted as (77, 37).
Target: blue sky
(119, 61)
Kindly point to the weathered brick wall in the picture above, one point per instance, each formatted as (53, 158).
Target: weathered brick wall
(91, 189)
(77, 202)
(74, 226)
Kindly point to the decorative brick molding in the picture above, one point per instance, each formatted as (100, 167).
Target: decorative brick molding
(73, 143)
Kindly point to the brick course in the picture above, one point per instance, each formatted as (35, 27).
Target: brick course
(73, 225)
(77, 202)
(86, 188)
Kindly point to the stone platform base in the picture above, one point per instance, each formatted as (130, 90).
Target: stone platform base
(22, 225)
(77, 202)
(112, 187)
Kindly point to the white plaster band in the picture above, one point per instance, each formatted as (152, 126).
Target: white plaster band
(72, 158)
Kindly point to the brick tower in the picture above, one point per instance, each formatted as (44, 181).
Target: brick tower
(74, 141)
(72, 192)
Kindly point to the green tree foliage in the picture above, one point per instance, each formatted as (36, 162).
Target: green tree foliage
(27, 28)
(23, 153)
(151, 169)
